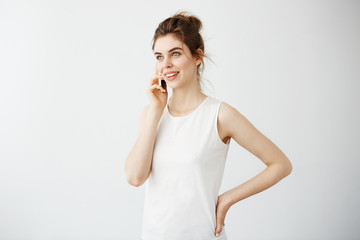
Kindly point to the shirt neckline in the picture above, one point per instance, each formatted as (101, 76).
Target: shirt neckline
(181, 117)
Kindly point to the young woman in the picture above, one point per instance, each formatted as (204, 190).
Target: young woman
(182, 143)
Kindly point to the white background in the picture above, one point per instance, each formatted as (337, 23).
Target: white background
(73, 76)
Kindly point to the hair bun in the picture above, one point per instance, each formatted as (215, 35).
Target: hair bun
(196, 22)
(193, 20)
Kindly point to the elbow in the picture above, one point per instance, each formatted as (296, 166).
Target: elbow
(287, 167)
(132, 178)
(283, 168)
(135, 181)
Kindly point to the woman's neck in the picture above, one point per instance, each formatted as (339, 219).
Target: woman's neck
(183, 102)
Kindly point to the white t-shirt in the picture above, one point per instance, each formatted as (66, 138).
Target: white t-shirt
(187, 169)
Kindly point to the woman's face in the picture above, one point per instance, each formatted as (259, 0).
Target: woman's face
(174, 57)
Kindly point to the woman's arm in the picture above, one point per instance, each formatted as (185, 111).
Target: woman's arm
(138, 162)
(232, 123)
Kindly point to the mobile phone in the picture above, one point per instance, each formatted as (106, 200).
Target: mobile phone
(162, 83)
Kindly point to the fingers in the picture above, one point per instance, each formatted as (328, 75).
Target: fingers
(155, 79)
(157, 71)
(222, 207)
(220, 222)
(218, 229)
(154, 82)
(156, 86)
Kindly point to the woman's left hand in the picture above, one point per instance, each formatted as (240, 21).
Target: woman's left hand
(222, 208)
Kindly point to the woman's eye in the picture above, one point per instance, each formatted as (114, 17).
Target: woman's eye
(174, 54)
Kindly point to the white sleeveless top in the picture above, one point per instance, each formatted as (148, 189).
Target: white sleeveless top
(187, 169)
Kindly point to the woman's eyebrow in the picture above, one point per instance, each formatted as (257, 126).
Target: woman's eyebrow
(175, 48)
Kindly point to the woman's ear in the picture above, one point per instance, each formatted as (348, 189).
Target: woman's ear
(199, 56)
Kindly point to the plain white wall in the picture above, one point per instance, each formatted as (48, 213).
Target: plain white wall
(73, 80)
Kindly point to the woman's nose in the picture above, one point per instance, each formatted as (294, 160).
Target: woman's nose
(167, 63)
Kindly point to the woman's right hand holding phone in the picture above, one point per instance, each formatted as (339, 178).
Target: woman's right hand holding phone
(157, 94)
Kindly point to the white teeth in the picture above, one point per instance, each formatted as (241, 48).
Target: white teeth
(171, 74)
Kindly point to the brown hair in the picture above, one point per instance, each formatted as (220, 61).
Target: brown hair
(186, 28)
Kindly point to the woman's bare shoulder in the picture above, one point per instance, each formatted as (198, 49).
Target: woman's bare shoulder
(232, 122)
(226, 109)
(225, 117)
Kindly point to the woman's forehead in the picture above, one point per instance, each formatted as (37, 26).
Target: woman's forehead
(167, 42)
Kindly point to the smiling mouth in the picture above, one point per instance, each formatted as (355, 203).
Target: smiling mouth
(172, 74)
(171, 77)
